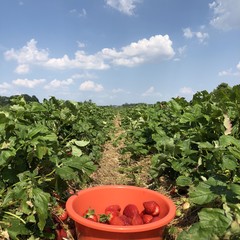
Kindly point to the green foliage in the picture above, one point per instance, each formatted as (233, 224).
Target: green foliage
(44, 148)
(51, 146)
(197, 146)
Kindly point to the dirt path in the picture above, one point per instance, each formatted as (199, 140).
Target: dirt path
(118, 168)
(109, 171)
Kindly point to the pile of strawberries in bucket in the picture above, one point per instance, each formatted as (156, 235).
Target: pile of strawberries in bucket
(129, 216)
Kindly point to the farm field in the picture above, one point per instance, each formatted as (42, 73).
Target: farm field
(190, 151)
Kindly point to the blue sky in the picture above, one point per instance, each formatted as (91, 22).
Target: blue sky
(118, 51)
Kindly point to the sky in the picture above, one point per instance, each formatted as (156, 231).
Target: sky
(114, 52)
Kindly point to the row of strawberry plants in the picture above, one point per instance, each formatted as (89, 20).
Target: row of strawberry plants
(196, 144)
(46, 151)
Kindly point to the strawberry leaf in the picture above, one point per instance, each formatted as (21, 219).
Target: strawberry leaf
(214, 220)
(40, 202)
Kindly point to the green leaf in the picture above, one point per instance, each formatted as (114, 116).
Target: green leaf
(16, 228)
(51, 137)
(3, 118)
(5, 155)
(37, 107)
(214, 220)
(235, 152)
(82, 163)
(41, 151)
(201, 194)
(205, 145)
(184, 181)
(76, 151)
(66, 172)
(81, 143)
(195, 233)
(235, 188)
(229, 162)
(34, 131)
(227, 140)
(187, 117)
(40, 202)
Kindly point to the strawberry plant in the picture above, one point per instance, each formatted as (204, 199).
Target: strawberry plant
(196, 145)
(46, 150)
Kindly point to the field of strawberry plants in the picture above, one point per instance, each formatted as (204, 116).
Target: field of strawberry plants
(47, 151)
(196, 146)
(50, 149)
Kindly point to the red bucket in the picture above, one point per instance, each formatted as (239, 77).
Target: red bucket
(100, 197)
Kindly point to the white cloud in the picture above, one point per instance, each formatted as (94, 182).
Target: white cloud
(226, 14)
(119, 90)
(188, 33)
(59, 83)
(142, 51)
(91, 86)
(223, 73)
(201, 36)
(180, 53)
(27, 54)
(84, 75)
(156, 47)
(151, 92)
(182, 50)
(81, 13)
(4, 87)
(124, 6)
(22, 68)
(81, 61)
(230, 71)
(28, 83)
(80, 44)
(186, 91)
(238, 66)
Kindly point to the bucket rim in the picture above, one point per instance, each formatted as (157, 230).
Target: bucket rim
(124, 229)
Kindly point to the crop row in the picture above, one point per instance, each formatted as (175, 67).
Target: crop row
(196, 146)
(47, 150)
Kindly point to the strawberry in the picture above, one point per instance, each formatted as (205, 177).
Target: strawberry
(154, 219)
(127, 221)
(137, 220)
(130, 210)
(90, 215)
(59, 213)
(116, 220)
(110, 212)
(112, 208)
(147, 218)
(152, 208)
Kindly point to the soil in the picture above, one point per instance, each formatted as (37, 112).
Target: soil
(116, 168)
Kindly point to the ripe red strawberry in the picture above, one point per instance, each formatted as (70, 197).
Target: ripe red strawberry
(112, 208)
(154, 219)
(106, 218)
(110, 212)
(152, 208)
(116, 220)
(90, 215)
(127, 221)
(137, 220)
(130, 210)
(147, 218)
(59, 214)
